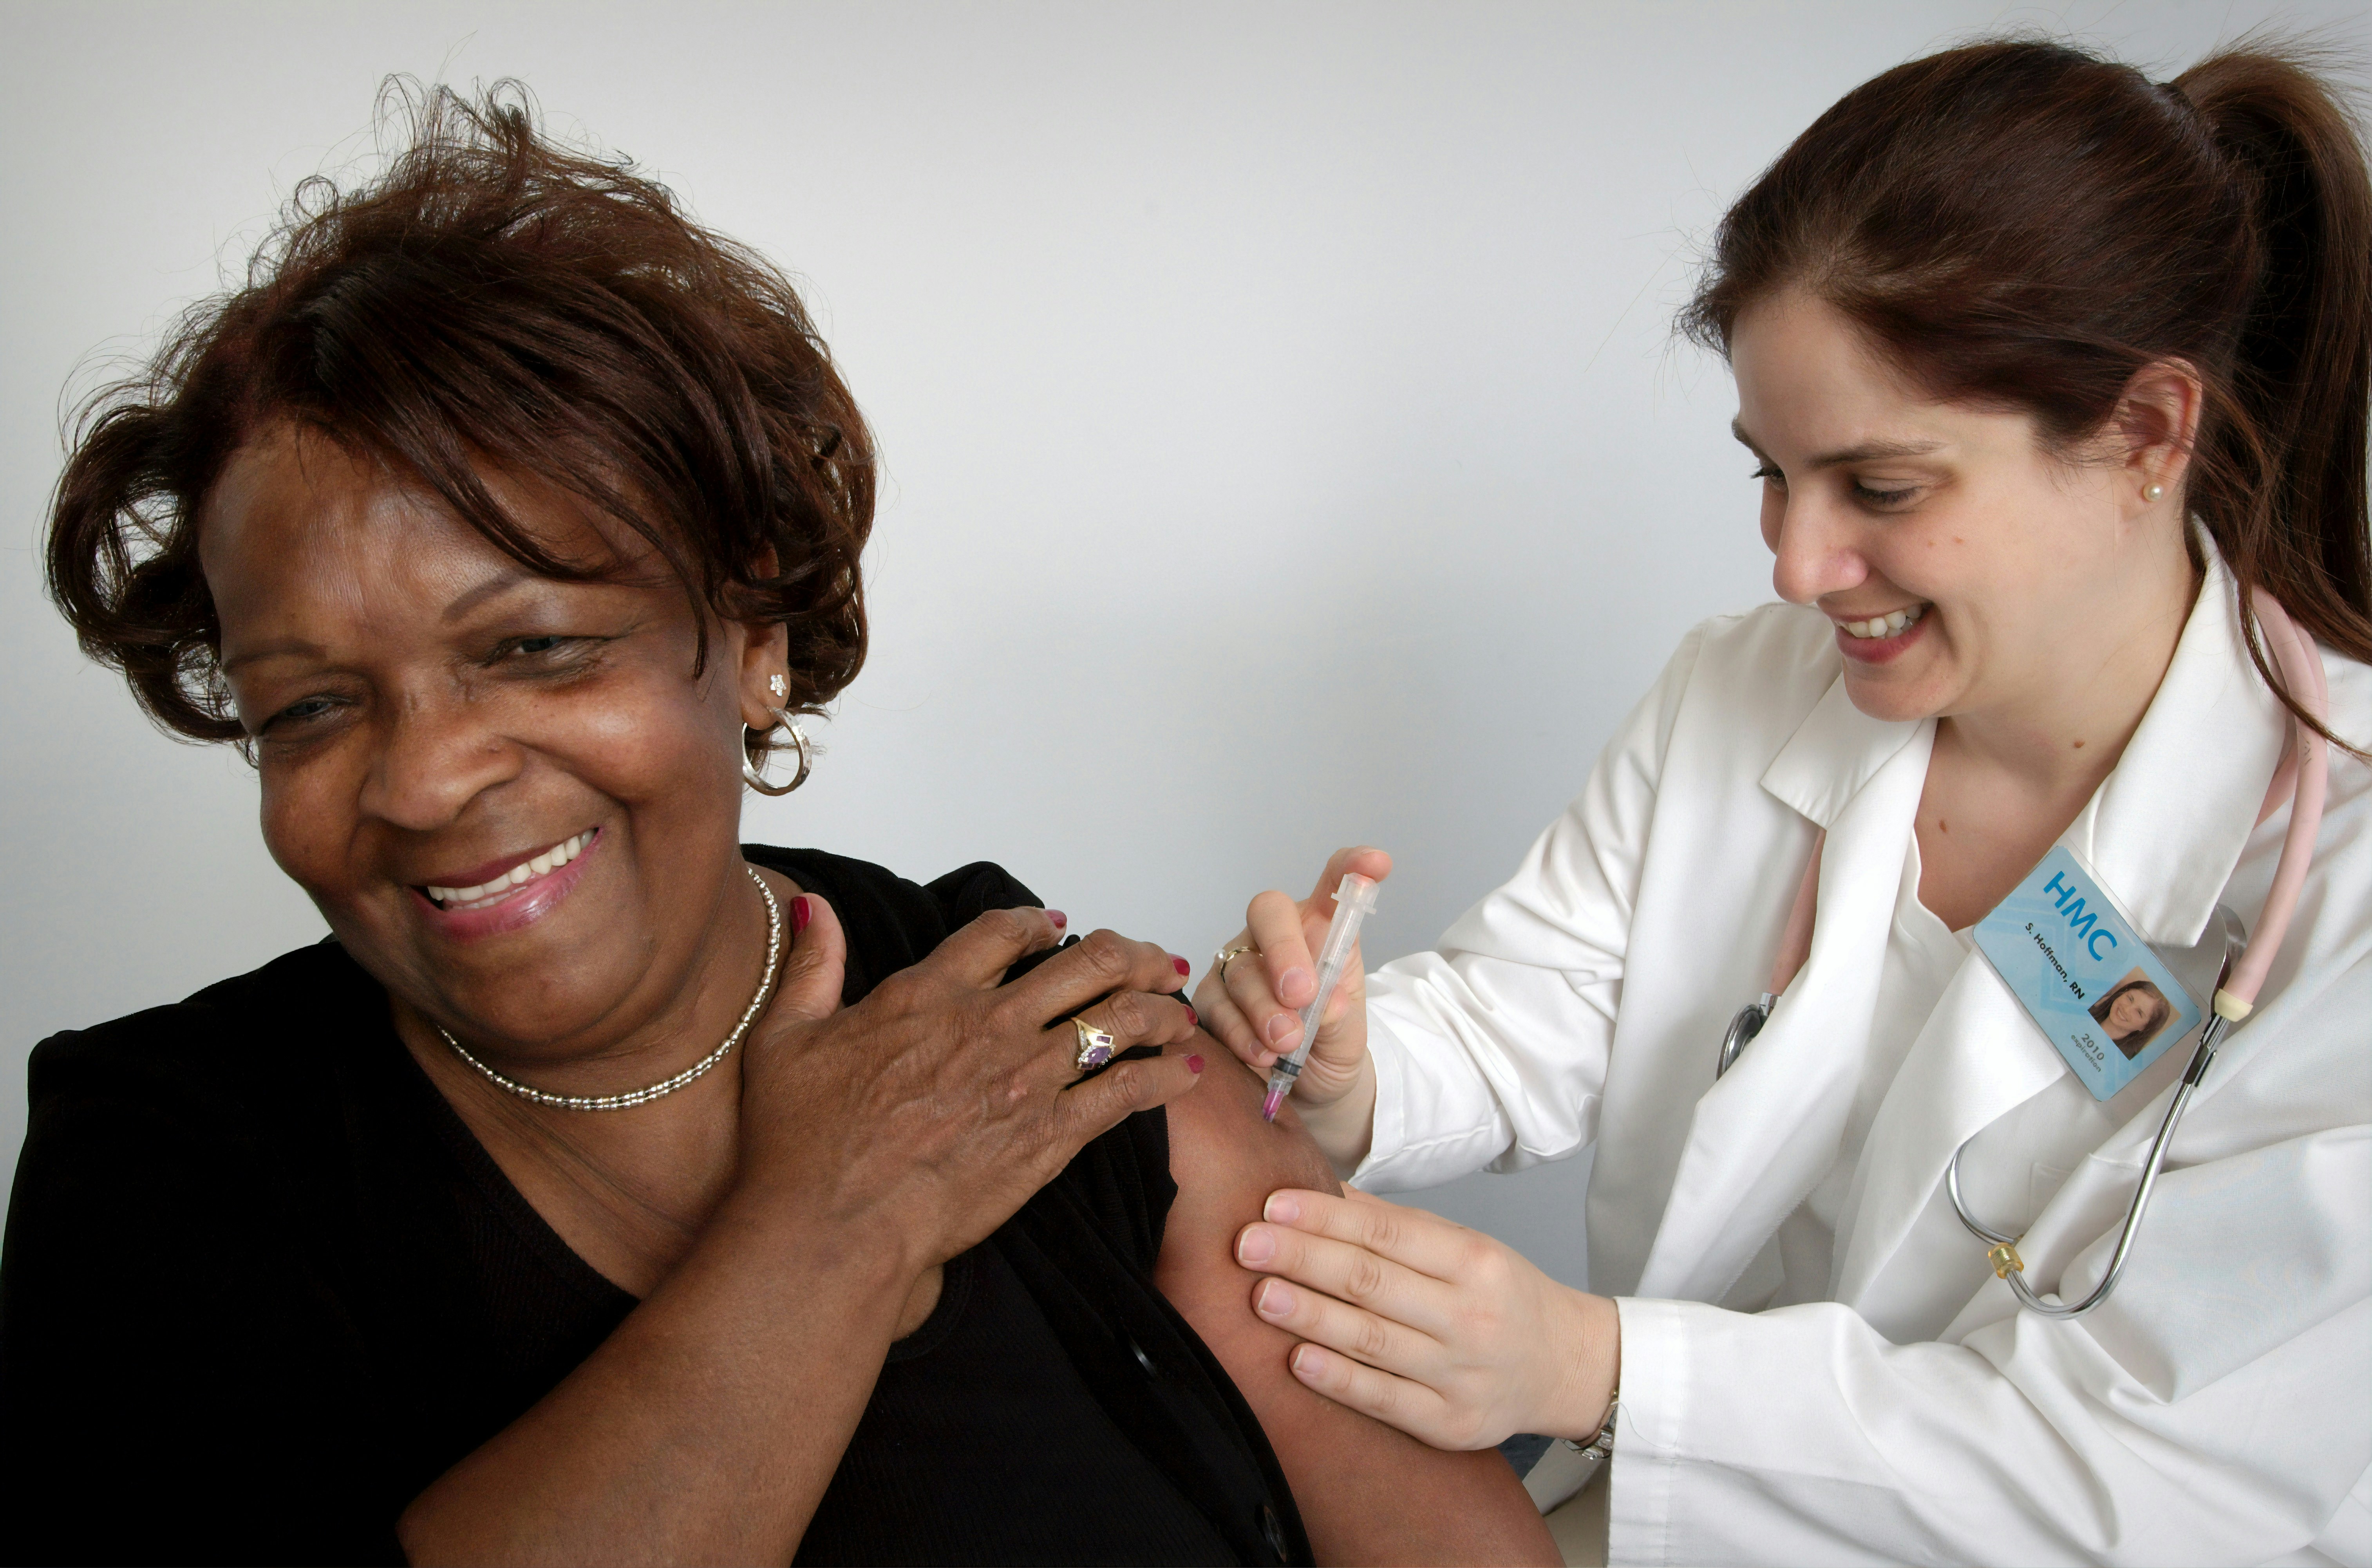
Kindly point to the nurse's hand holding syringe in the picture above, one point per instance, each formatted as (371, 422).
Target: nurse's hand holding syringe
(1255, 1009)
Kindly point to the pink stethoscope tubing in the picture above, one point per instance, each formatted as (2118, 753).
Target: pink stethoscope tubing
(2304, 776)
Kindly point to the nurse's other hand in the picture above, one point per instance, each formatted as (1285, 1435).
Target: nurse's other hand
(1255, 1009)
(1442, 1331)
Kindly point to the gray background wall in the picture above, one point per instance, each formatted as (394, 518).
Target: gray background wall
(1286, 443)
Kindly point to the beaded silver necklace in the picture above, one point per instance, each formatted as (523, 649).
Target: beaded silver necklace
(668, 1085)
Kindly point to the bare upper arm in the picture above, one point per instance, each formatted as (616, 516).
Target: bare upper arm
(1368, 1494)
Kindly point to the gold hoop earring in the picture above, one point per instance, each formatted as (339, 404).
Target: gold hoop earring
(756, 780)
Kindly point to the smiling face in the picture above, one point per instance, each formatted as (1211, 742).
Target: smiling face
(2134, 1010)
(1966, 567)
(509, 795)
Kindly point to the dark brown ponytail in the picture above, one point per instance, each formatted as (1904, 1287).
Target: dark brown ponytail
(2024, 224)
(2281, 478)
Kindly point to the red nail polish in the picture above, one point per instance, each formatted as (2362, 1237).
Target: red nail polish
(1182, 966)
(1193, 1064)
(1058, 917)
(1193, 1018)
(801, 912)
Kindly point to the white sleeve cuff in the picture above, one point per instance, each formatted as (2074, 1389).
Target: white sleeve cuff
(1389, 1134)
(1654, 1392)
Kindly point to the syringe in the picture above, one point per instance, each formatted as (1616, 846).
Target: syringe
(1352, 900)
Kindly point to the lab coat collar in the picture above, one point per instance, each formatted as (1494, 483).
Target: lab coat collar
(2166, 829)
(1836, 751)
(2193, 775)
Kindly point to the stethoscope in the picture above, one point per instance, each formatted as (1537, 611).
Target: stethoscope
(2303, 777)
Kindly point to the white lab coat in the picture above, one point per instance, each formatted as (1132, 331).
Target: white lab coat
(2217, 1409)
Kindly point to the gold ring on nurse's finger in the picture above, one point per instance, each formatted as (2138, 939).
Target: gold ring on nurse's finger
(1094, 1045)
(1225, 955)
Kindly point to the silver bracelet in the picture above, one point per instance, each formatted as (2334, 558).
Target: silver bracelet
(1600, 1448)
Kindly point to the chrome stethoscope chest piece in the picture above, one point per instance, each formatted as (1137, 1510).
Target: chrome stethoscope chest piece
(1743, 1030)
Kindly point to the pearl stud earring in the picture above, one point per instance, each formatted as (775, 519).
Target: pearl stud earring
(781, 688)
(2152, 492)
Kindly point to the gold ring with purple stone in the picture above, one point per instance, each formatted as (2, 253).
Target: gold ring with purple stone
(1096, 1046)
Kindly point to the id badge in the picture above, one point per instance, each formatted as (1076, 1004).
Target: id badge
(2094, 988)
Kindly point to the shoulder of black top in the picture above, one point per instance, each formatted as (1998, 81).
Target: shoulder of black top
(225, 1037)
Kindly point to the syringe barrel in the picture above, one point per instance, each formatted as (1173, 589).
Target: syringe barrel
(1353, 898)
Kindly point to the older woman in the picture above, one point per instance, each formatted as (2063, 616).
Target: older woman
(602, 1188)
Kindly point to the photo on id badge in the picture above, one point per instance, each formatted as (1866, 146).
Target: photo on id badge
(2094, 988)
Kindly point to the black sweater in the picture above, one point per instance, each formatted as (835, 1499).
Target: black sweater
(261, 1286)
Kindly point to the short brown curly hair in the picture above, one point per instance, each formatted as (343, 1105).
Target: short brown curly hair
(491, 299)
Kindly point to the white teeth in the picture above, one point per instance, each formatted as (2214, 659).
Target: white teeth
(541, 865)
(1888, 625)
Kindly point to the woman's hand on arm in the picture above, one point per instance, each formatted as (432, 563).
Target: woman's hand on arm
(876, 1142)
(1442, 1331)
(1254, 1008)
(1367, 1493)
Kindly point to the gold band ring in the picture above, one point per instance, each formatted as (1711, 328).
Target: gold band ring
(1096, 1046)
(1225, 955)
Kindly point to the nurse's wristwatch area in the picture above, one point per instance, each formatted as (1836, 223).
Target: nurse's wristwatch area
(1566, 1467)
(1600, 1448)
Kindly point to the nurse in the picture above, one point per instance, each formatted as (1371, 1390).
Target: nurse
(2046, 372)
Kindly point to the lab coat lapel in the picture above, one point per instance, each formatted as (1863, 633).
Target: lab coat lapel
(1979, 1057)
(1761, 1136)
(2164, 832)
(2167, 828)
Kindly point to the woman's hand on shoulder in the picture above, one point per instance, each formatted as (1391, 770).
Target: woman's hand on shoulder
(925, 1116)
